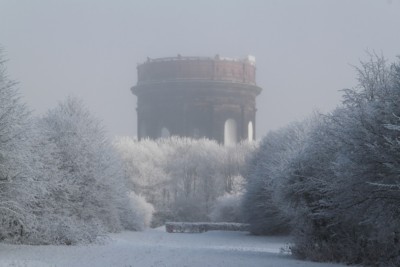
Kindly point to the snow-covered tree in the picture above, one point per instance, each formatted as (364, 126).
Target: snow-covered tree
(86, 163)
(17, 188)
(367, 168)
(264, 205)
(183, 177)
(334, 179)
(90, 187)
(144, 163)
(341, 188)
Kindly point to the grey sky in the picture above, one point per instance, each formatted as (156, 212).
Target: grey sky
(90, 48)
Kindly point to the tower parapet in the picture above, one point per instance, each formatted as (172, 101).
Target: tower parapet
(197, 68)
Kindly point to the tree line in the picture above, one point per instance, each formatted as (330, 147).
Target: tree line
(333, 180)
(187, 179)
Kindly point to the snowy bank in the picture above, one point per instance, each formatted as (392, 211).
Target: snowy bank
(157, 248)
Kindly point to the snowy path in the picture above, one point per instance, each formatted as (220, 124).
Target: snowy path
(157, 248)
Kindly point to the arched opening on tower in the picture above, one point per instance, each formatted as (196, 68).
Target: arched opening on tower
(230, 132)
(165, 133)
(250, 133)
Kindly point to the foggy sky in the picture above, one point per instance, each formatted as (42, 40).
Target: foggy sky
(90, 48)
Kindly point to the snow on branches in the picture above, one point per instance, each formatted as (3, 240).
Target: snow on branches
(183, 177)
(333, 180)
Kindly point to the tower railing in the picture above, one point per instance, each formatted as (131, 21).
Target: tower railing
(249, 59)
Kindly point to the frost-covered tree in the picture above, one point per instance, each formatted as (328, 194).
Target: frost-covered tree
(61, 181)
(367, 167)
(93, 189)
(144, 163)
(86, 163)
(264, 205)
(17, 188)
(25, 168)
(182, 177)
(197, 180)
(343, 188)
(334, 179)
(307, 189)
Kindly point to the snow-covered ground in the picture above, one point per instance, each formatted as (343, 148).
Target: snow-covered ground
(157, 248)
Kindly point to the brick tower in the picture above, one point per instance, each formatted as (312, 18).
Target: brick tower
(197, 97)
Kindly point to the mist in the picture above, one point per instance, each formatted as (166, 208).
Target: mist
(304, 50)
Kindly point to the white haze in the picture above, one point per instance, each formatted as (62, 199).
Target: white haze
(90, 49)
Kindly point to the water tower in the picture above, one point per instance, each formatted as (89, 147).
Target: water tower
(197, 97)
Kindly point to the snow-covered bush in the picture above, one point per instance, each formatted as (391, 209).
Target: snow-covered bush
(56, 229)
(264, 207)
(201, 227)
(139, 213)
(308, 186)
(227, 208)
